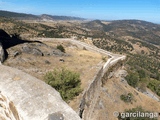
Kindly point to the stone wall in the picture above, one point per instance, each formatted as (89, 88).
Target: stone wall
(90, 96)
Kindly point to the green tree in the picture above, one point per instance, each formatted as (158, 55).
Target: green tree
(154, 85)
(132, 79)
(127, 98)
(142, 73)
(66, 82)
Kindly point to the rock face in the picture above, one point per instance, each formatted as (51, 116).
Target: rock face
(2, 53)
(28, 98)
(7, 109)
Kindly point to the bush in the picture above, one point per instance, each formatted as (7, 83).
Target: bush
(61, 48)
(66, 82)
(127, 98)
(104, 58)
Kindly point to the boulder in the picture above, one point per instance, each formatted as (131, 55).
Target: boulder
(36, 51)
(29, 49)
(26, 49)
(57, 52)
(31, 98)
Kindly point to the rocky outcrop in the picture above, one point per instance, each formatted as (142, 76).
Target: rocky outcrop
(31, 50)
(40, 49)
(2, 53)
(24, 97)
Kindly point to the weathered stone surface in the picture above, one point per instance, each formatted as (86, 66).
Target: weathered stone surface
(57, 52)
(32, 98)
(37, 52)
(26, 49)
(7, 109)
(56, 116)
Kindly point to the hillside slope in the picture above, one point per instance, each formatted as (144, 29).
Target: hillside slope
(110, 101)
(125, 29)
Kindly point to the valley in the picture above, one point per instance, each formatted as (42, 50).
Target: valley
(99, 51)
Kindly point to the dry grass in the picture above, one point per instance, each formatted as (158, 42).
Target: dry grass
(79, 60)
(138, 49)
(82, 61)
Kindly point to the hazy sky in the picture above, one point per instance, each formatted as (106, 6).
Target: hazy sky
(148, 10)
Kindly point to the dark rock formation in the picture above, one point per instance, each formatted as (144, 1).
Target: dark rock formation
(2, 54)
(3, 36)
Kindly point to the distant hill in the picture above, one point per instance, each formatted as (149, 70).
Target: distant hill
(17, 15)
(35, 17)
(95, 25)
(136, 29)
(55, 17)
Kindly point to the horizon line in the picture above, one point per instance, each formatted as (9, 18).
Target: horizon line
(79, 17)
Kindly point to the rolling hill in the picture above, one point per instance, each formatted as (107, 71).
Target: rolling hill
(23, 16)
(17, 15)
(135, 29)
(138, 40)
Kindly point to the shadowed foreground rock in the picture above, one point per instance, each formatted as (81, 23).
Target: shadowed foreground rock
(2, 53)
(23, 97)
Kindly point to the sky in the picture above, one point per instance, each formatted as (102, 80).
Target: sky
(148, 10)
